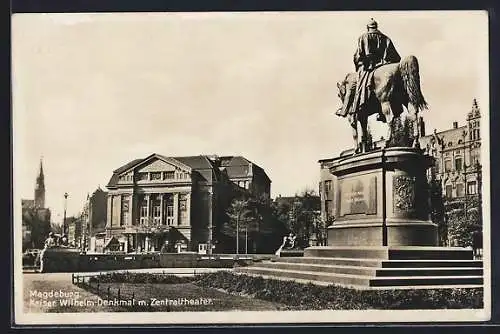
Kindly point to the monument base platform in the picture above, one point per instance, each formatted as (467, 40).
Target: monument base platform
(377, 267)
(399, 233)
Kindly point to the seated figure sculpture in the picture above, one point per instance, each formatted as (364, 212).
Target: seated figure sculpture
(289, 242)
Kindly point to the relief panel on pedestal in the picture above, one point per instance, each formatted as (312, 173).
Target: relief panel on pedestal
(403, 190)
(358, 196)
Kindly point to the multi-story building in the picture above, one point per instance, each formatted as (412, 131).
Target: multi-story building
(162, 200)
(457, 153)
(93, 217)
(74, 225)
(457, 161)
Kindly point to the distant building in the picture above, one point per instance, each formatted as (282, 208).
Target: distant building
(177, 201)
(74, 225)
(457, 153)
(457, 157)
(35, 212)
(93, 216)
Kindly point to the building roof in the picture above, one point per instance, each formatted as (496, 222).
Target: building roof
(240, 167)
(196, 161)
(27, 203)
(128, 165)
(208, 167)
(452, 136)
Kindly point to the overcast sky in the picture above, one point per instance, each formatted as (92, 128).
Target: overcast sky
(94, 91)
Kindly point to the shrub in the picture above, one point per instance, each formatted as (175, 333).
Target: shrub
(313, 297)
(143, 278)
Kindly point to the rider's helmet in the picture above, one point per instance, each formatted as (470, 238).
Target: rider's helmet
(372, 24)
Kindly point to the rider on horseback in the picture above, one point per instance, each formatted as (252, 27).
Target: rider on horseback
(374, 50)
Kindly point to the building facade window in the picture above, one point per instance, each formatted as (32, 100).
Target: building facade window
(183, 209)
(143, 211)
(447, 165)
(448, 191)
(155, 175)
(458, 163)
(170, 175)
(169, 209)
(460, 190)
(328, 187)
(125, 211)
(472, 188)
(142, 176)
(437, 166)
(328, 209)
(156, 210)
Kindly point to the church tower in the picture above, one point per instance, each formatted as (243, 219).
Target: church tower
(40, 189)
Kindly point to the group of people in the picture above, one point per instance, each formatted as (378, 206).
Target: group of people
(53, 241)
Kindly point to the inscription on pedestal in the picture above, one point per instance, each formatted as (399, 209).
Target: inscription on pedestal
(358, 196)
(403, 193)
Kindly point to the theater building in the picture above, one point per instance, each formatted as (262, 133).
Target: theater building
(175, 202)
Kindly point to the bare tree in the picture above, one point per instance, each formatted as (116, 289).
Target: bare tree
(240, 215)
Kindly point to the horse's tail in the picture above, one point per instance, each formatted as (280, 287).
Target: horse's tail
(411, 82)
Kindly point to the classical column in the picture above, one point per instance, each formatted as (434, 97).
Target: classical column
(131, 208)
(148, 200)
(176, 208)
(188, 209)
(110, 211)
(161, 209)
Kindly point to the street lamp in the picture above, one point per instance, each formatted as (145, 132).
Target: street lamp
(64, 216)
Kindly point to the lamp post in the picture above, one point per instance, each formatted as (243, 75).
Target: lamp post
(246, 239)
(64, 216)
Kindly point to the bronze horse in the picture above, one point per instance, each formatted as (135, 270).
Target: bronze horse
(394, 86)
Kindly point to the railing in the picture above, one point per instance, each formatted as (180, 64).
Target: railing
(106, 291)
(125, 299)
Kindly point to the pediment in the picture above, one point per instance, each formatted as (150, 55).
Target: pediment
(157, 165)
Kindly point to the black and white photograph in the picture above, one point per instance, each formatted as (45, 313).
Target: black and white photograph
(251, 167)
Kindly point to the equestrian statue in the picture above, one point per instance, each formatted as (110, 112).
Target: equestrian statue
(382, 85)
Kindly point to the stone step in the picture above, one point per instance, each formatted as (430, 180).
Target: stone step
(332, 261)
(429, 272)
(339, 269)
(372, 271)
(378, 263)
(430, 253)
(347, 252)
(361, 281)
(426, 281)
(341, 279)
(432, 263)
(391, 253)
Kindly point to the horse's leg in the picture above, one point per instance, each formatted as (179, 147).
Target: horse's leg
(389, 116)
(354, 125)
(413, 114)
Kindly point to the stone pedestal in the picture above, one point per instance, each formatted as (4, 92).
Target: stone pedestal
(382, 199)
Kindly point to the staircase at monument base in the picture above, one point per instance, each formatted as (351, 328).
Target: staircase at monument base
(377, 267)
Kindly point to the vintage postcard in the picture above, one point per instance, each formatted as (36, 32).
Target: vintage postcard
(251, 167)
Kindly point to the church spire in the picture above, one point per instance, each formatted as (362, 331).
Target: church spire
(40, 188)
